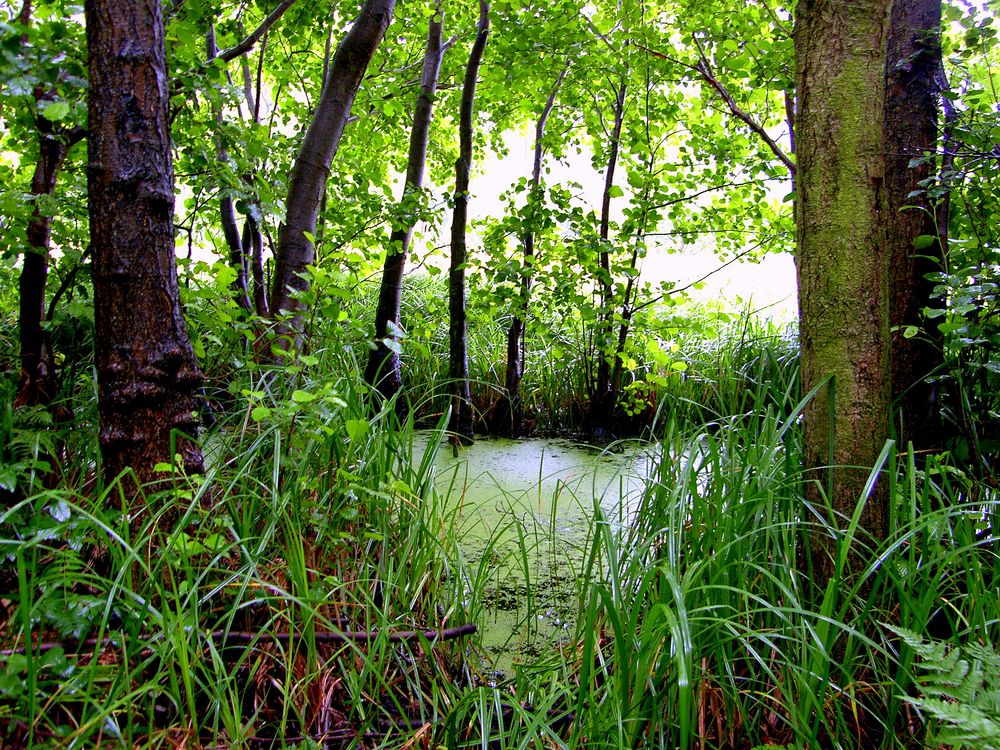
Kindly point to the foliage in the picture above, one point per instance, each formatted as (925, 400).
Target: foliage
(963, 319)
(958, 691)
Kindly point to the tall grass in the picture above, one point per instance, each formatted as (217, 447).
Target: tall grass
(696, 628)
(262, 603)
(215, 606)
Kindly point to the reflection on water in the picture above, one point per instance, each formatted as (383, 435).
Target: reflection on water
(525, 508)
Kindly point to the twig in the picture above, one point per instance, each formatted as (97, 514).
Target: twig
(241, 636)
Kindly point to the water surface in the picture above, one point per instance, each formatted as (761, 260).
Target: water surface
(525, 508)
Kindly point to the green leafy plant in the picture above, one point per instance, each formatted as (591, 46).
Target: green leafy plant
(958, 690)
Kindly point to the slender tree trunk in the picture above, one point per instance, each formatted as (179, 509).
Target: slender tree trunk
(147, 376)
(841, 236)
(601, 402)
(511, 415)
(39, 383)
(383, 370)
(911, 108)
(458, 370)
(230, 229)
(312, 165)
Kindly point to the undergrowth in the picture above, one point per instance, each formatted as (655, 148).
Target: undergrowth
(313, 587)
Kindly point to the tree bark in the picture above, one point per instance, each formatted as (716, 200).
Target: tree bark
(602, 401)
(39, 383)
(842, 274)
(147, 375)
(458, 367)
(511, 416)
(312, 165)
(383, 370)
(911, 110)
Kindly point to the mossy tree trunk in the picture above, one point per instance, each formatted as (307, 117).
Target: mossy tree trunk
(841, 210)
(147, 376)
(458, 360)
(911, 134)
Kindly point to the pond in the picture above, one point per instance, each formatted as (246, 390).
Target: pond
(525, 509)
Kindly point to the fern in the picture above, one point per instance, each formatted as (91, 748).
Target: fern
(959, 689)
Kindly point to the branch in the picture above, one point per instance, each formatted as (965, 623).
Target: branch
(678, 290)
(247, 44)
(705, 70)
(779, 23)
(363, 636)
(709, 189)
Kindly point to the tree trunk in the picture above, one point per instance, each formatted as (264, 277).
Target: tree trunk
(312, 165)
(147, 376)
(602, 401)
(253, 246)
(39, 384)
(911, 108)
(238, 259)
(383, 370)
(510, 419)
(841, 237)
(458, 368)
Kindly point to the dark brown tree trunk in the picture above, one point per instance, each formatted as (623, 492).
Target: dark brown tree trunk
(602, 400)
(458, 362)
(841, 209)
(911, 108)
(147, 375)
(383, 370)
(510, 417)
(252, 237)
(39, 383)
(312, 165)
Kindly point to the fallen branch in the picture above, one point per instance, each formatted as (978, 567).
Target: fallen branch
(238, 636)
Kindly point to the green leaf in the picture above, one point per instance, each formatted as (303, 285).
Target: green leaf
(357, 429)
(54, 111)
(303, 397)
(260, 413)
(924, 241)
(910, 331)
(615, 192)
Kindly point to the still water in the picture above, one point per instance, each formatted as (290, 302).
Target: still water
(525, 509)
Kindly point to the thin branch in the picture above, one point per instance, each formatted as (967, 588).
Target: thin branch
(779, 23)
(678, 290)
(237, 636)
(705, 69)
(247, 44)
(709, 189)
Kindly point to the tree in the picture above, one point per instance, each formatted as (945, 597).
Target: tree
(915, 237)
(38, 374)
(458, 369)
(147, 376)
(602, 400)
(511, 410)
(312, 166)
(383, 370)
(841, 207)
